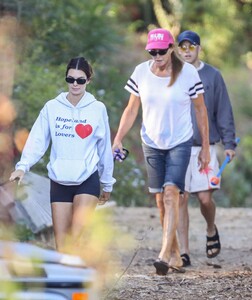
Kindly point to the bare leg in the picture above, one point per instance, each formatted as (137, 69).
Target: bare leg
(208, 209)
(183, 225)
(62, 218)
(160, 206)
(175, 259)
(171, 204)
(83, 208)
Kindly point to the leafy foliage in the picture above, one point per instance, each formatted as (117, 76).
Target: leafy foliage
(130, 188)
(22, 233)
(216, 31)
(66, 29)
(109, 34)
(35, 84)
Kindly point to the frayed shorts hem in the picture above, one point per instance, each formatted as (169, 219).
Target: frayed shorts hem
(158, 190)
(155, 191)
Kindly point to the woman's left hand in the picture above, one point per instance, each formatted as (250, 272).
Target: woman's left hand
(104, 197)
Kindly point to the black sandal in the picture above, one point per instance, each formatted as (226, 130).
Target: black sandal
(215, 245)
(186, 260)
(161, 266)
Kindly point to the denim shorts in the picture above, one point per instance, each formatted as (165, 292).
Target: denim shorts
(167, 167)
(66, 193)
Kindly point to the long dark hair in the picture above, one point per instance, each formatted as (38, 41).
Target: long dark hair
(177, 65)
(80, 63)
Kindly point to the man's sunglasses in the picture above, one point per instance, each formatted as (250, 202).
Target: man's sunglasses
(78, 80)
(156, 52)
(189, 47)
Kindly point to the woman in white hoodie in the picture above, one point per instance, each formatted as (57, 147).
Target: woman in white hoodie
(81, 160)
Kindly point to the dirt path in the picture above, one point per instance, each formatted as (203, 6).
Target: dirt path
(231, 278)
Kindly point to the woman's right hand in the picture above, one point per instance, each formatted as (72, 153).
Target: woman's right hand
(116, 146)
(117, 149)
(17, 175)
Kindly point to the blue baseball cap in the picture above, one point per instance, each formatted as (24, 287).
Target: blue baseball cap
(190, 36)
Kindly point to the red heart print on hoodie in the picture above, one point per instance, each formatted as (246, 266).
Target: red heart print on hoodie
(83, 131)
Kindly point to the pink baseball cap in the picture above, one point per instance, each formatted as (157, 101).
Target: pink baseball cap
(159, 39)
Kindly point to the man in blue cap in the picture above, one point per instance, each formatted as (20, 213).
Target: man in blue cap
(221, 128)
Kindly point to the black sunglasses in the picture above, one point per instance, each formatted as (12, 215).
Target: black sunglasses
(156, 52)
(78, 80)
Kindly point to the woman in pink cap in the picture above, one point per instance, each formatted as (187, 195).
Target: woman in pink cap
(164, 87)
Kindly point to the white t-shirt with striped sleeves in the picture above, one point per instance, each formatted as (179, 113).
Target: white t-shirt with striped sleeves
(166, 119)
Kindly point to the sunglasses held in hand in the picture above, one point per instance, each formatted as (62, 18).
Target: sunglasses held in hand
(79, 80)
(120, 156)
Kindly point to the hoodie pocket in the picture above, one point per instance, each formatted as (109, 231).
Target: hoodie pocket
(65, 170)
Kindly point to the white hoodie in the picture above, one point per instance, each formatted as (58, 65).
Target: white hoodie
(81, 142)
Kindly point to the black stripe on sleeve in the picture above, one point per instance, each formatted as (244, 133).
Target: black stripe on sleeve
(196, 88)
(131, 84)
